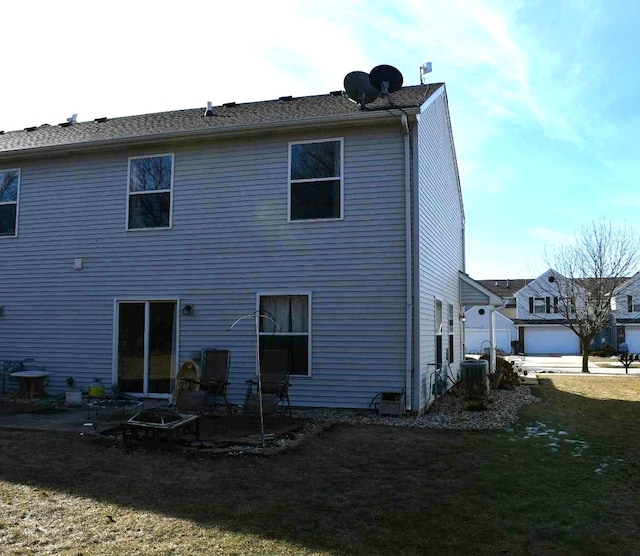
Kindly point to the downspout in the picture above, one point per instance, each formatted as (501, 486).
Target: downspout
(492, 362)
(409, 263)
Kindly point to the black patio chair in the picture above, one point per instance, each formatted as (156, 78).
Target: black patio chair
(274, 378)
(214, 376)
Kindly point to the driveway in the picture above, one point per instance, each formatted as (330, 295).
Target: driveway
(573, 364)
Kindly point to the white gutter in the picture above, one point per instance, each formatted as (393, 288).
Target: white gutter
(409, 267)
(492, 335)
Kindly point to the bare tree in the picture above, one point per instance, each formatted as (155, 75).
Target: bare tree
(587, 271)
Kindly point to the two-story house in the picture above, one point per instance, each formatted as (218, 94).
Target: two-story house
(541, 319)
(129, 244)
(540, 315)
(626, 310)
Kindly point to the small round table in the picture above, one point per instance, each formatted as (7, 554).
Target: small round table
(31, 383)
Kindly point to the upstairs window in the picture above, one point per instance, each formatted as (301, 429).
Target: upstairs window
(539, 305)
(149, 192)
(510, 303)
(9, 192)
(315, 180)
(546, 305)
(568, 304)
(633, 304)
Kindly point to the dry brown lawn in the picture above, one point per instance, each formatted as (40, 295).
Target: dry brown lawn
(353, 490)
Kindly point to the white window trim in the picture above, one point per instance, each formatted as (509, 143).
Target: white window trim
(289, 181)
(308, 333)
(437, 300)
(170, 191)
(16, 202)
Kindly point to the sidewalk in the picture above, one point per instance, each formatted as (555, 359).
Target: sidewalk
(573, 364)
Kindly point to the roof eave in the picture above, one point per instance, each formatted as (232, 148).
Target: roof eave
(356, 118)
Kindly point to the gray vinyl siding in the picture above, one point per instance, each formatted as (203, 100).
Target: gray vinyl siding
(230, 240)
(440, 245)
(472, 296)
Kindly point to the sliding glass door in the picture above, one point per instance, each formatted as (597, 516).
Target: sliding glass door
(146, 346)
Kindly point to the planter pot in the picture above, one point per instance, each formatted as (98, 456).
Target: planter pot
(73, 397)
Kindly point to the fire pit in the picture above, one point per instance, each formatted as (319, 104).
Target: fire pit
(157, 428)
(122, 403)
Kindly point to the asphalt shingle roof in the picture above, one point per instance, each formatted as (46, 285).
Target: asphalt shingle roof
(226, 117)
(506, 287)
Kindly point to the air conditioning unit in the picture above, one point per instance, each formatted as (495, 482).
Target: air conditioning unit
(474, 376)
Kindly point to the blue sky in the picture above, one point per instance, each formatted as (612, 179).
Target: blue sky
(543, 94)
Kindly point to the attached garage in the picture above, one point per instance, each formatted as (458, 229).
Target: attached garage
(550, 340)
(476, 339)
(632, 337)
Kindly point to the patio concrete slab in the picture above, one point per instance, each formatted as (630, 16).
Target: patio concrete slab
(219, 429)
(63, 420)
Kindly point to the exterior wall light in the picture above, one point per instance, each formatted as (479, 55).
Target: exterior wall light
(187, 310)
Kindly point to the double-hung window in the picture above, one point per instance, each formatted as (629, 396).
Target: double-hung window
(450, 328)
(284, 325)
(315, 180)
(633, 304)
(9, 193)
(567, 305)
(539, 305)
(149, 192)
(438, 326)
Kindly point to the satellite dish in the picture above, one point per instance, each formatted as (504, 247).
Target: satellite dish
(359, 87)
(386, 79)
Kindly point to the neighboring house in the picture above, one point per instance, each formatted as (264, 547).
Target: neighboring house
(507, 289)
(626, 307)
(531, 316)
(129, 244)
(478, 330)
(540, 321)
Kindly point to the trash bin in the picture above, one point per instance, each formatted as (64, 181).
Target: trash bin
(391, 403)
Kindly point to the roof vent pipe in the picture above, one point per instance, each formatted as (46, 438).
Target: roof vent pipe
(209, 110)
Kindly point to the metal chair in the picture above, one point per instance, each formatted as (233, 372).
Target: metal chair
(274, 378)
(214, 377)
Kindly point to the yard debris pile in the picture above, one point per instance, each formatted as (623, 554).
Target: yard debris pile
(448, 412)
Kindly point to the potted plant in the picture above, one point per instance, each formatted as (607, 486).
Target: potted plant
(73, 396)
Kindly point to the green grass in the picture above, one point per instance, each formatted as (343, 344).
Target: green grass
(361, 490)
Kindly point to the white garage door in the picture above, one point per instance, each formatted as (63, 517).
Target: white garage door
(551, 340)
(632, 337)
(476, 339)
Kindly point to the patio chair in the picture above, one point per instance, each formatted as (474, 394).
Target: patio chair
(274, 377)
(214, 377)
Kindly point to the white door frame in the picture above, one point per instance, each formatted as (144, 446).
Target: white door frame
(116, 320)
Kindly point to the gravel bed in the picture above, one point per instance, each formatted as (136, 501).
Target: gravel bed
(449, 412)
